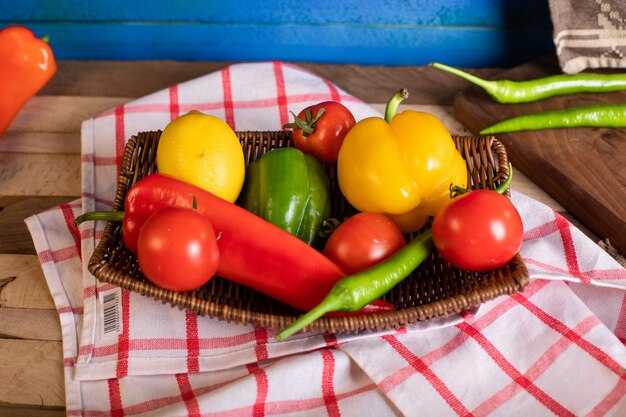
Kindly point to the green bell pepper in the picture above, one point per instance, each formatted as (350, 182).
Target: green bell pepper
(289, 189)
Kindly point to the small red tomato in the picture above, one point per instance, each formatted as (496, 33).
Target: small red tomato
(478, 231)
(362, 241)
(177, 249)
(319, 130)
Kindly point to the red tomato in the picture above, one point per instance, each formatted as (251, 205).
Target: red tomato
(322, 135)
(362, 241)
(478, 231)
(177, 249)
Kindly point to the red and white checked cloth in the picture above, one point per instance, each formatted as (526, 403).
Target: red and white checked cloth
(557, 348)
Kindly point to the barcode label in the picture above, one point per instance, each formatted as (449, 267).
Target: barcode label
(110, 313)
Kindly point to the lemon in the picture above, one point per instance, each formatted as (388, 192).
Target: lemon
(202, 150)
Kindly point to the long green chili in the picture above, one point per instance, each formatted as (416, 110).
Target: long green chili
(352, 292)
(506, 91)
(608, 115)
(357, 290)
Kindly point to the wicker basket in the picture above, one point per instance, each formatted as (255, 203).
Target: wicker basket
(434, 290)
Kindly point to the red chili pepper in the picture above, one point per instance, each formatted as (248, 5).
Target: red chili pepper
(253, 252)
(26, 65)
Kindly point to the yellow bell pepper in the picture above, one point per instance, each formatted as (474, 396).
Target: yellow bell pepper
(402, 166)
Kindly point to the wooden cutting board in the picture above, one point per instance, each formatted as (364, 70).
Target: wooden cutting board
(584, 169)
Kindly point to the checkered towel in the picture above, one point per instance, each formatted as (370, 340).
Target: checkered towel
(558, 347)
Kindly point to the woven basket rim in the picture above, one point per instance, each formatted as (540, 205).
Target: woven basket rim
(369, 322)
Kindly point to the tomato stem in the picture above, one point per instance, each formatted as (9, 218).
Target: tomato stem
(394, 102)
(456, 190)
(307, 125)
(328, 227)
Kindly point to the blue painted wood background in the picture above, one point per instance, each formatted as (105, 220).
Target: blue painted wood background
(471, 33)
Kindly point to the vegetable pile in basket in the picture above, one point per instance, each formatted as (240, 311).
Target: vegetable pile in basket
(267, 226)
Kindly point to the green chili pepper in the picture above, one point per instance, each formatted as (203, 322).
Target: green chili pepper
(357, 290)
(608, 115)
(352, 292)
(506, 91)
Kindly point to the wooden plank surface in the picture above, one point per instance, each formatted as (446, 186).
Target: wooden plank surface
(40, 142)
(32, 374)
(584, 169)
(29, 324)
(29, 411)
(60, 114)
(15, 238)
(22, 174)
(40, 166)
(22, 283)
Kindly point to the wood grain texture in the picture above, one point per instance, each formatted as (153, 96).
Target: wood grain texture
(584, 169)
(30, 174)
(122, 78)
(15, 238)
(40, 142)
(28, 289)
(60, 114)
(29, 324)
(31, 373)
(30, 411)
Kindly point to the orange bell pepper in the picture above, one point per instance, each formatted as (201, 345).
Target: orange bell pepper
(26, 65)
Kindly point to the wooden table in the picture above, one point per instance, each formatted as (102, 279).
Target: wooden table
(40, 168)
